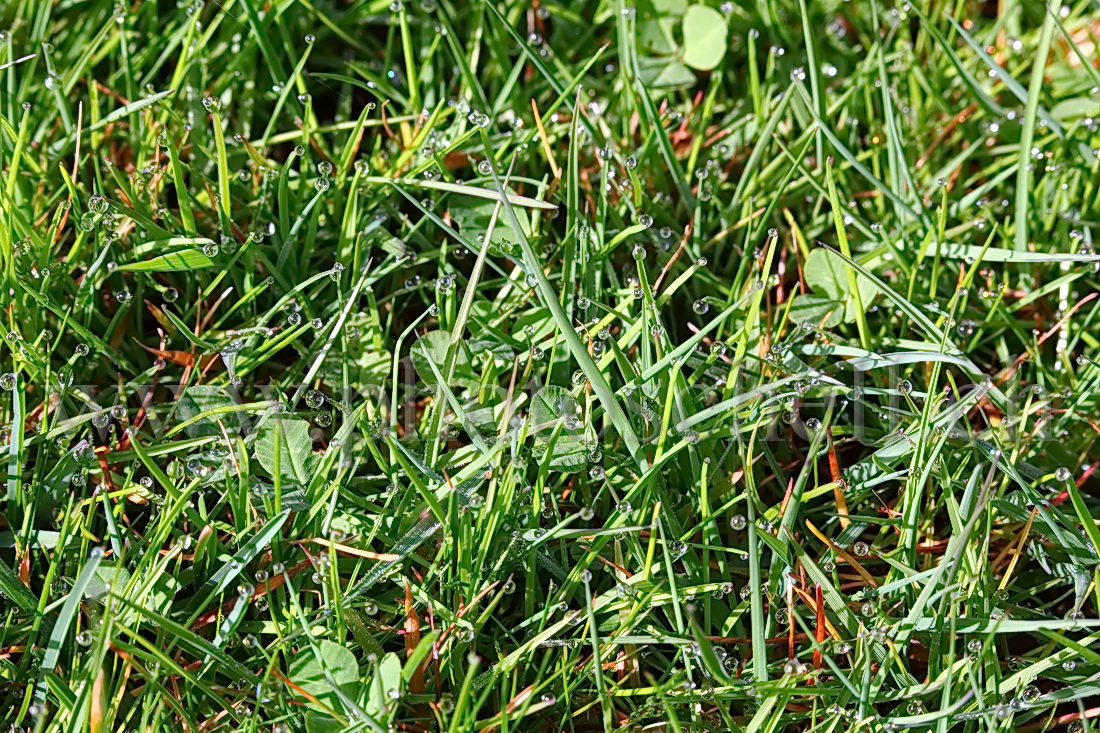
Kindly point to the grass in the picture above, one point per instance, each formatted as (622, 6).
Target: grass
(764, 399)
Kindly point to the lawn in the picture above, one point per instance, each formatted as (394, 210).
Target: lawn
(641, 365)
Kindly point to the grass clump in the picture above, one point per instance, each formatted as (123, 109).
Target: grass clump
(554, 367)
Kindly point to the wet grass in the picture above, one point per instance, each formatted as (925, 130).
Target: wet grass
(764, 400)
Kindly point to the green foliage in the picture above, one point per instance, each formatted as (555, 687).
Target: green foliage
(827, 277)
(323, 670)
(184, 259)
(473, 222)
(784, 331)
(705, 37)
(283, 447)
(553, 419)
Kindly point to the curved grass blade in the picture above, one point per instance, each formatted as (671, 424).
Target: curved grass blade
(65, 619)
(182, 261)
